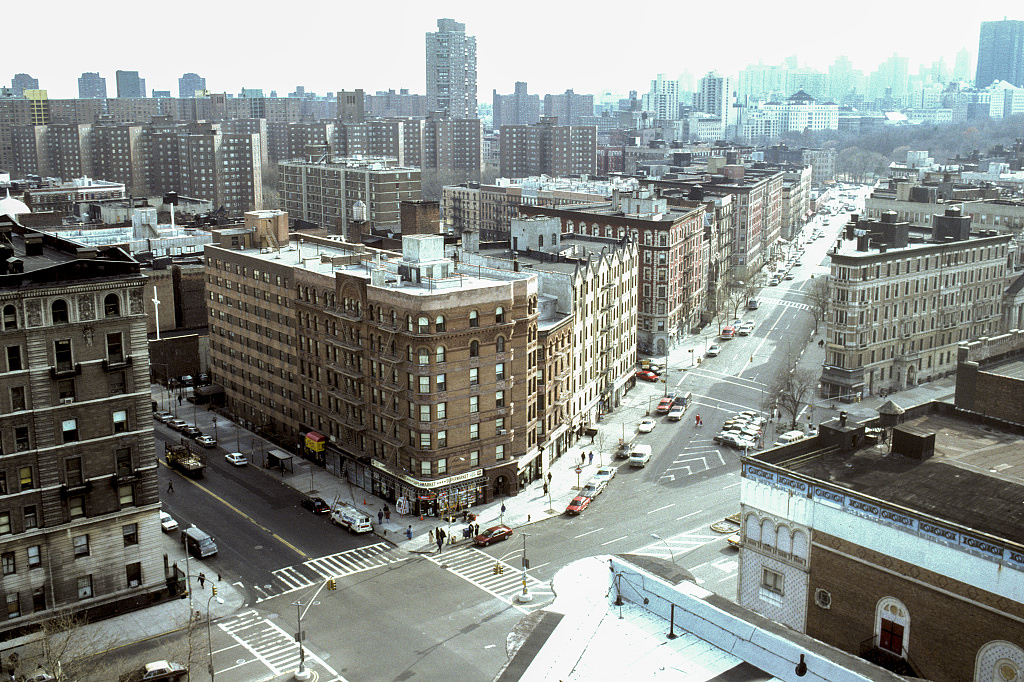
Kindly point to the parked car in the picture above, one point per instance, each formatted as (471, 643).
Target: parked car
(593, 488)
(646, 425)
(714, 349)
(493, 534)
(788, 276)
(163, 417)
(207, 441)
(578, 504)
(167, 522)
(734, 540)
(605, 473)
(317, 505)
(191, 431)
(646, 375)
(676, 413)
(773, 282)
(177, 424)
(236, 458)
(734, 440)
(664, 405)
(640, 455)
(157, 671)
(745, 329)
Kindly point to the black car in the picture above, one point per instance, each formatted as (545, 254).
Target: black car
(317, 505)
(191, 431)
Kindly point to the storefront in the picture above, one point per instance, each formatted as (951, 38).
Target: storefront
(450, 495)
(314, 444)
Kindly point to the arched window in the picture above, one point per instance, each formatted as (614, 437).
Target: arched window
(111, 306)
(499, 315)
(394, 319)
(408, 350)
(424, 356)
(892, 626)
(474, 318)
(474, 348)
(10, 317)
(423, 325)
(439, 354)
(439, 324)
(59, 311)
(499, 345)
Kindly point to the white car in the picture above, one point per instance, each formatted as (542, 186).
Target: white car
(745, 328)
(593, 488)
(647, 425)
(167, 522)
(236, 458)
(605, 474)
(714, 349)
(206, 441)
(676, 413)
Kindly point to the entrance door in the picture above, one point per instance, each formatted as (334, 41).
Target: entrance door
(891, 637)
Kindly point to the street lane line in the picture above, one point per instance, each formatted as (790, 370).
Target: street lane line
(688, 515)
(732, 485)
(615, 540)
(667, 506)
(588, 533)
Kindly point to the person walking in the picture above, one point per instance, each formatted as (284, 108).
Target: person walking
(476, 529)
(591, 456)
(380, 516)
(408, 533)
(387, 514)
(170, 486)
(440, 539)
(583, 458)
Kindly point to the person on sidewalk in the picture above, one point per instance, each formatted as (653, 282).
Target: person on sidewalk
(440, 539)
(387, 514)
(380, 516)
(408, 533)
(591, 456)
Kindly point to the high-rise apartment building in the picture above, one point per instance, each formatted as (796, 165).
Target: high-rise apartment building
(189, 84)
(519, 108)
(548, 149)
(22, 82)
(451, 70)
(453, 148)
(79, 504)
(715, 97)
(663, 98)
(129, 84)
(92, 85)
(569, 108)
(1000, 53)
(351, 106)
(903, 301)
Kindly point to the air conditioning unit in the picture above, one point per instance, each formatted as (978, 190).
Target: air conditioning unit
(67, 401)
(823, 598)
(501, 432)
(133, 583)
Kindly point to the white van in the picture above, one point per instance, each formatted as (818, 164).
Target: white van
(640, 455)
(345, 515)
(789, 437)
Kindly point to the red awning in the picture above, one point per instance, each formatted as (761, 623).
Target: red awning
(315, 437)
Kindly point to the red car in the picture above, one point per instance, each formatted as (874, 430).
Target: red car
(578, 504)
(664, 405)
(646, 375)
(493, 534)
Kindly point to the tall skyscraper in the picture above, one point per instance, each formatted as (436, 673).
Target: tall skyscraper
(714, 96)
(1001, 53)
(189, 83)
(130, 85)
(92, 86)
(663, 98)
(451, 70)
(22, 82)
(962, 65)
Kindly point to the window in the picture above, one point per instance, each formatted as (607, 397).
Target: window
(133, 572)
(3, 482)
(38, 599)
(474, 458)
(442, 439)
(120, 421)
(474, 432)
(66, 390)
(69, 429)
(424, 413)
(126, 494)
(31, 517)
(73, 471)
(772, 581)
(111, 306)
(10, 317)
(59, 311)
(116, 383)
(424, 468)
(424, 382)
(115, 349)
(499, 371)
(130, 533)
(423, 325)
(499, 399)
(439, 354)
(62, 355)
(35, 556)
(474, 404)
(25, 476)
(499, 315)
(18, 398)
(13, 605)
(442, 411)
(13, 358)
(442, 466)
(474, 349)
(474, 376)
(408, 322)
(474, 318)
(499, 452)
(85, 587)
(21, 438)
(439, 325)
(81, 545)
(425, 441)
(499, 345)
(499, 426)
(76, 507)
(123, 462)
(442, 384)
(7, 560)
(5, 523)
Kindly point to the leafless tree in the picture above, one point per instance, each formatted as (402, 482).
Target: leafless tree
(819, 298)
(65, 648)
(790, 389)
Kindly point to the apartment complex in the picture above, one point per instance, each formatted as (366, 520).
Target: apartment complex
(903, 301)
(519, 108)
(568, 108)
(916, 202)
(91, 85)
(191, 85)
(78, 481)
(65, 197)
(451, 70)
(672, 282)
(129, 84)
(348, 196)
(547, 149)
(411, 378)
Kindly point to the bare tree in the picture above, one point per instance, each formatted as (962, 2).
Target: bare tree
(790, 389)
(819, 298)
(66, 649)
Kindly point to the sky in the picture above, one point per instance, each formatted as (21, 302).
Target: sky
(590, 47)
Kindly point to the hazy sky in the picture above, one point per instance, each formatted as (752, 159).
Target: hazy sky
(590, 47)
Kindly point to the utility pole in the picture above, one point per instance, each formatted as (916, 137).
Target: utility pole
(525, 596)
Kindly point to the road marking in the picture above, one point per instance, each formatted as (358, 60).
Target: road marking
(667, 506)
(477, 568)
(301, 576)
(615, 540)
(688, 515)
(271, 645)
(732, 485)
(588, 533)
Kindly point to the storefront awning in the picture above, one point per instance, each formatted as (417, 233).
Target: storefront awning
(315, 441)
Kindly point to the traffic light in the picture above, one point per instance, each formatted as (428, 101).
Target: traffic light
(498, 568)
(332, 584)
(214, 590)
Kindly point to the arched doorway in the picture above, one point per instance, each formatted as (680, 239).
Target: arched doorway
(659, 347)
(500, 486)
(911, 376)
(892, 626)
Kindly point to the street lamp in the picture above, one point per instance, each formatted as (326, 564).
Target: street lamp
(525, 596)
(670, 552)
(209, 628)
(214, 418)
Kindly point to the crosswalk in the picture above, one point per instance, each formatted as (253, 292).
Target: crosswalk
(301, 576)
(672, 547)
(272, 646)
(787, 303)
(693, 460)
(477, 567)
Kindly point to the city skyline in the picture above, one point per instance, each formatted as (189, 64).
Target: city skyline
(536, 44)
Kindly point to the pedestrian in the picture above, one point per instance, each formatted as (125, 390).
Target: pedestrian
(545, 488)
(591, 456)
(202, 579)
(387, 514)
(440, 539)
(430, 533)
(408, 533)
(476, 529)
(380, 516)
(170, 486)
(583, 458)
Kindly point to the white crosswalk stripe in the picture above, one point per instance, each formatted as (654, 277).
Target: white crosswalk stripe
(477, 568)
(678, 544)
(694, 462)
(272, 646)
(301, 576)
(787, 303)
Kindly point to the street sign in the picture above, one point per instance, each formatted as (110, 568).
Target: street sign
(579, 470)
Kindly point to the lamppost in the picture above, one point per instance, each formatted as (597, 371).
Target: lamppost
(209, 628)
(302, 673)
(214, 418)
(670, 552)
(525, 596)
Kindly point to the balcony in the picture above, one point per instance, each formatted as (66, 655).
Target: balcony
(65, 370)
(110, 365)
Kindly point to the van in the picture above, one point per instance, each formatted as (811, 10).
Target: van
(198, 543)
(347, 516)
(789, 437)
(728, 331)
(752, 304)
(640, 455)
